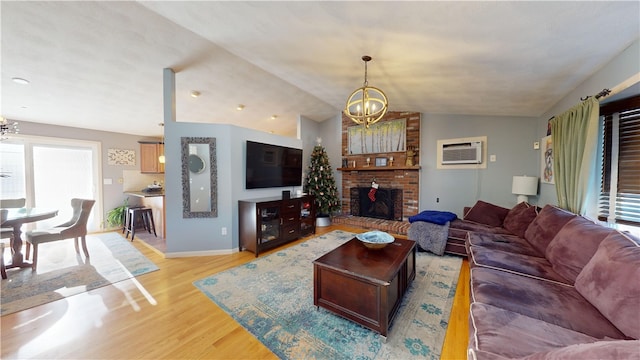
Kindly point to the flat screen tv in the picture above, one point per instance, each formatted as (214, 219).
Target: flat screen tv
(272, 166)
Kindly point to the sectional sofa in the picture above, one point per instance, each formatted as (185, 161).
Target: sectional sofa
(549, 284)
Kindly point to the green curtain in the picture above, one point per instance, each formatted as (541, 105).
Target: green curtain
(574, 135)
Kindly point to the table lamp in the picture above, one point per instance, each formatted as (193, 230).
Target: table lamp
(523, 186)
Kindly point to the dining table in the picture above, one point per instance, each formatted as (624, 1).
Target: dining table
(16, 217)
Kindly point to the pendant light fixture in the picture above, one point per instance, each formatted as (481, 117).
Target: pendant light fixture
(161, 158)
(368, 104)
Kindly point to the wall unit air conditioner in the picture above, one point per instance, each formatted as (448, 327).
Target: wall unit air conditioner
(462, 153)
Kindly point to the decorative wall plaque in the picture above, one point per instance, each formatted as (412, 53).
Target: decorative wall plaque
(121, 157)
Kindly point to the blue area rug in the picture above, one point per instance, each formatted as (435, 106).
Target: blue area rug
(272, 297)
(62, 273)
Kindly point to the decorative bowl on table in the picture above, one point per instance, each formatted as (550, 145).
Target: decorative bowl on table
(375, 239)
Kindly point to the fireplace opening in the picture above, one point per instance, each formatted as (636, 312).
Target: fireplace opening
(376, 203)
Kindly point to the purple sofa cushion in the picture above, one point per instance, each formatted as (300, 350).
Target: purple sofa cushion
(526, 265)
(546, 225)
(519, 217)
(619, 349)
(547, 301)
(611, 282)
(574, 245)
(487, 213)
(509, 243)
(465, 226)
(497, 333)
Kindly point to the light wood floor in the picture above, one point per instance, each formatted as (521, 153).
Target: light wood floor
(161, 315)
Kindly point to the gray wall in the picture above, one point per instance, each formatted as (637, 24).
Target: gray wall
(331, 132)
(620, 73)
(308, 132)
(510, 139)
(204, 236)
(112, 194)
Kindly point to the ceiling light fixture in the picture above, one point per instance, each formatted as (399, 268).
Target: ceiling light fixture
(161, 158)
(195, 93)
(20, 81)
(368, 104)
(273, 117)
(240, 107)
(7, 128)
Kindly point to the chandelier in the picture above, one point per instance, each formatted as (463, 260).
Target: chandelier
(7, 128)
(368, 104)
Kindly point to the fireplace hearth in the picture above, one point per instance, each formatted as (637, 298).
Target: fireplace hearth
(380, 203)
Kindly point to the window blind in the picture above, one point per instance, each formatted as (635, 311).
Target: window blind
(620, 186)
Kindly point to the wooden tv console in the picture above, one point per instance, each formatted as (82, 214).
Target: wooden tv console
(270, 222)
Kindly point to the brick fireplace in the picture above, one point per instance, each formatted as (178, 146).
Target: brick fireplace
(397, 176)
(376, 203)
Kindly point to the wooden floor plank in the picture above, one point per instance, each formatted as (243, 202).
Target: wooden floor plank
(161, 315)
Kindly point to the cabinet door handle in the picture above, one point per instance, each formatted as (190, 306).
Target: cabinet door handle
(291, 231)
(290, 206)
(291, 218)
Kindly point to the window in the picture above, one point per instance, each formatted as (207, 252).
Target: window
(620, 185)
(48, 172)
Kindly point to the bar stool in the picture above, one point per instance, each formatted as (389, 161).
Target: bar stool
(127, 218)
(144, 214)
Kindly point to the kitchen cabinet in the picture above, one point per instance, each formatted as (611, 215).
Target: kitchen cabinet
(149, 153)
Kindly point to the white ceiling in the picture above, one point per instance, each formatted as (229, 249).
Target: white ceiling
(99, 65)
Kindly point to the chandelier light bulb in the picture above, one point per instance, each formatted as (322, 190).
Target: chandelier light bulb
(368, 104)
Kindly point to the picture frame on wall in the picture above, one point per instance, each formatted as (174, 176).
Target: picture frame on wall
(546, 171)
(382, 137)
(121, 157)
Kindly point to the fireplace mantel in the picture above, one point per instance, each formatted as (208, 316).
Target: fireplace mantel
(379, 168)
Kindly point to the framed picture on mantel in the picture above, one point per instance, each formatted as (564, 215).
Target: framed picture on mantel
(381, 161)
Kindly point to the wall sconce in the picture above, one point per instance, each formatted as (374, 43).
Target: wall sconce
(524, 186)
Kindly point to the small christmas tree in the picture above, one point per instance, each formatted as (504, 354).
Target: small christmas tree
(320, 182)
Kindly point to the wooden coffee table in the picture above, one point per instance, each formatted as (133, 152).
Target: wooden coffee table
(364, 285)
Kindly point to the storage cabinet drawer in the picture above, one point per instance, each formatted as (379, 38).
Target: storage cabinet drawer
(290, 232)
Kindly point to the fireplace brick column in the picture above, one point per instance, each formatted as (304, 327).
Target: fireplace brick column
(397, 176)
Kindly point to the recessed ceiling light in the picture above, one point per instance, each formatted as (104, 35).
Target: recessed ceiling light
(195, 93)
(20, 81)
(273, 117)
(240, 107)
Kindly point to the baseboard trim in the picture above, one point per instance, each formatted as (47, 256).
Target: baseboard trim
(170, 255)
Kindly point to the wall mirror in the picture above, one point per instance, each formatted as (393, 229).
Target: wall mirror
(199, 177)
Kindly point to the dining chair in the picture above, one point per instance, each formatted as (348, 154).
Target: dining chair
(74, 228)
(12, 203)
(5, 233)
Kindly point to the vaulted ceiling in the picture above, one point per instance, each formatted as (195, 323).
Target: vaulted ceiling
(98, 65)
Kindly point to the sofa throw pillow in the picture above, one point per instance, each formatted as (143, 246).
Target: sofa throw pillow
(487, 213)
(546, 225)
(611, 281)
(574, 245)
(519, 217)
